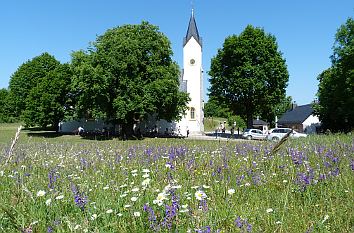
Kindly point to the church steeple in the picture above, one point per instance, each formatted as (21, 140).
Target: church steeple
(192, 31)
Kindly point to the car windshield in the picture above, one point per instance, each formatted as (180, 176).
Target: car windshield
(247, 130)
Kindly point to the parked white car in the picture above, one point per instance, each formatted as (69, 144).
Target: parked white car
(253, 134)
(278, 133)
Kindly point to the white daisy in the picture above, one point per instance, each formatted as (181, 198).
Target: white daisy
(145, 182)
(137, 214)
(59, 197)
(47, 202)
(231, 191)
(135, 190)
(41, 193)
(269, 210)
(123, 195)
(200, 195)
(93, 217)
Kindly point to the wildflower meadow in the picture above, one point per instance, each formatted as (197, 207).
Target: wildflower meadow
(176, 185)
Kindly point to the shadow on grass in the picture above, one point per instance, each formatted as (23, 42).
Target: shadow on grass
(47, 134)
(224, 135)
(42, 132)
(90, 136)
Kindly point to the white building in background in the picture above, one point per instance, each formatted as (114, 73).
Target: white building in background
(301, 118)
(192, 80)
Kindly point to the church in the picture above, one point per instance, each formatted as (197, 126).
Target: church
(191, 81)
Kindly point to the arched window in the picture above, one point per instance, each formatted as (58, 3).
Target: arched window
(192, 113)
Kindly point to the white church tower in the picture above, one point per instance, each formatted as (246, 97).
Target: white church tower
(192, 80)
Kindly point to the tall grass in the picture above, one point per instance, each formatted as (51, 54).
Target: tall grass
(179, 185)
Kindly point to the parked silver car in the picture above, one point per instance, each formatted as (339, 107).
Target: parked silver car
(253, 134)
(278, 133)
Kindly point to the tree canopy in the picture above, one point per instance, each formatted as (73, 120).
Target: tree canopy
(213, 108)
(38, 91)
(126, 75)
(4, 105)
(336, 87)
(46, 101)
(249, 74)
(26, 77)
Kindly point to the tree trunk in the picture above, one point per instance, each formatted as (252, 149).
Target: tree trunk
(249, 121)
(127, 131)
(55, 126)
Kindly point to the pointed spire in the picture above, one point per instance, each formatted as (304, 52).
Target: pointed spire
(192, 31)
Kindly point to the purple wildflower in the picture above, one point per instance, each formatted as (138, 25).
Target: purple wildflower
(52, 175)
(49, 229)
(243, 224)
(249, 228)
(203, 205)
(239, 180)
(152, 217)
(239, 222)
(322, 177)
(79, 197)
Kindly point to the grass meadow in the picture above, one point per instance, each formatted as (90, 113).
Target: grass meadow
(54, 183)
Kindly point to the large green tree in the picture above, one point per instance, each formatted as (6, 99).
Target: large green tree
(336, 87)
(46, 102)
(213, 108)
(4, 116)
(26, 77)
(249, 74)
(126, 75)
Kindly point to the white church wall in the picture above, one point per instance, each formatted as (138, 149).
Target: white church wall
(193, 75)
(88, 125)
(149, 125)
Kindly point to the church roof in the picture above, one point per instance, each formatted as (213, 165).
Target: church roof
(192, 31)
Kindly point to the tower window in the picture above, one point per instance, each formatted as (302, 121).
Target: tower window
(192, 113)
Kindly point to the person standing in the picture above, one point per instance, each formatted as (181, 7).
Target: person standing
(222, 125)
(80, 130)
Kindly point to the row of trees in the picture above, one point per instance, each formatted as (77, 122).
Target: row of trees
(126, 75)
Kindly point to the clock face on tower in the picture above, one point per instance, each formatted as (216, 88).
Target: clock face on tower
(192, 61)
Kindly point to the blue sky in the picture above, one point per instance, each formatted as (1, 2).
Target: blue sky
(304, 30)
